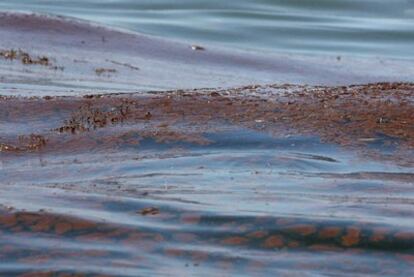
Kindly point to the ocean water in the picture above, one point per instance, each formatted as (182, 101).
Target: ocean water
(124, 154)
(337, 27)
(198, 187)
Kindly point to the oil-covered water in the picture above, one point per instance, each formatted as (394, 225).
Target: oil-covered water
(217, 183)
(289, 180)
(337, 27)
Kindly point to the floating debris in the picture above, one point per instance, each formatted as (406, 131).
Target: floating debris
(124, 64)
(148, 116)
(24, 57)
(149, 211)
(25, 144)
(9, 54)
(100, 71)
(197, 48)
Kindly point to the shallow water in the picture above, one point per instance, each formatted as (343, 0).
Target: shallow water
(337, 27)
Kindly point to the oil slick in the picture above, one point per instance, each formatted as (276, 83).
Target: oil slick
(110, 169)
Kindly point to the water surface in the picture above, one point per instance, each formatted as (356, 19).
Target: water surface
(254, 180)
(337, 27)
(212, 182)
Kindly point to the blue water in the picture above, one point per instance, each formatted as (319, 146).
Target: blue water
(161, 185)
(145, 199)
(338, 27)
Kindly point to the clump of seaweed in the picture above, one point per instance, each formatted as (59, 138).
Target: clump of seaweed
(100, 71)
(9, 54)
(29, 143)
(90, 118)
(24, 57)
(376, 115)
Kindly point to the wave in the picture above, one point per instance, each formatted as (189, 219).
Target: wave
(106, 172)
(85, 57)
(39, 242)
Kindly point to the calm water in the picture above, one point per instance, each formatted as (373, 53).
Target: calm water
(196, 190)
(256, 181)
(367, 27)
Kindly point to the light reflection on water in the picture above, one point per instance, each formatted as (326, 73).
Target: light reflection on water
(370, 27)
(248, 203)
(245, 204)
